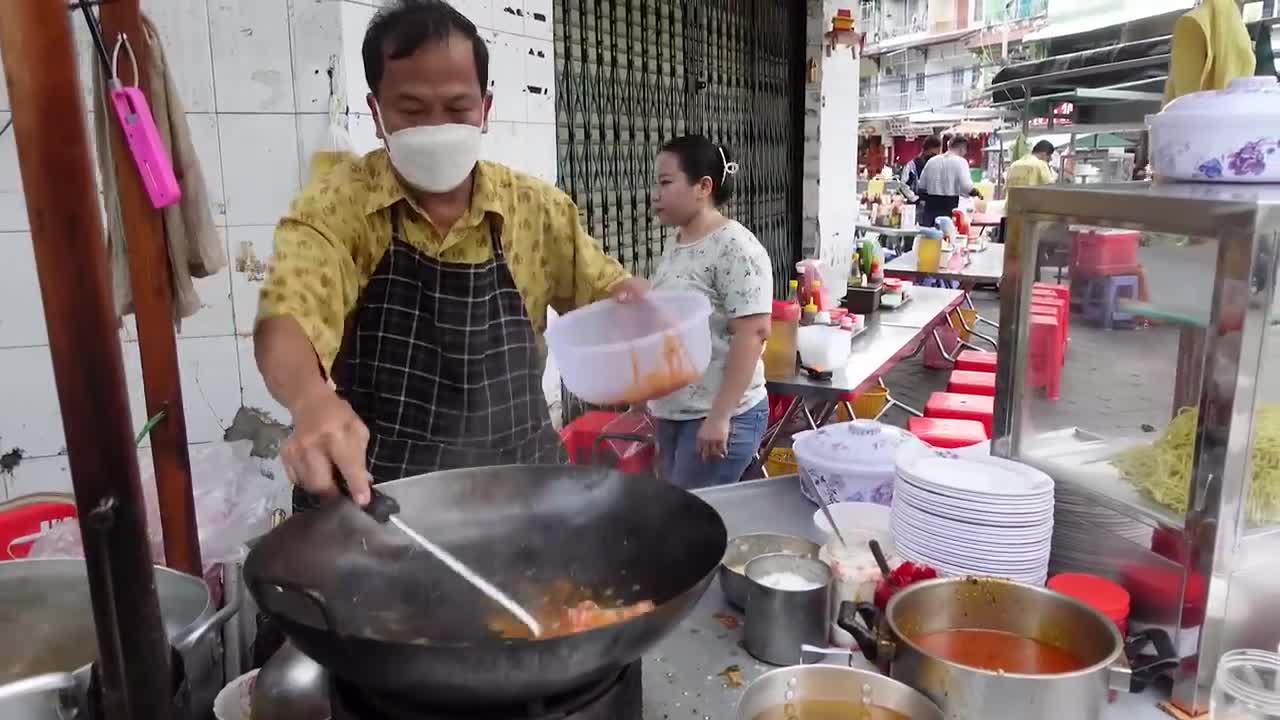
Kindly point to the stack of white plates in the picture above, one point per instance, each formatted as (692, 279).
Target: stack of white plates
(964, 513)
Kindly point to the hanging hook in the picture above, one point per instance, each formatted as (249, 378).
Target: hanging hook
(95, 33)
(123, 41)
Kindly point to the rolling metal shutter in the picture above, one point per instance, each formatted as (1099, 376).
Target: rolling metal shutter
(632, 74)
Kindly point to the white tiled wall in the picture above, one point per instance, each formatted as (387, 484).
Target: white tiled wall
(254, 76)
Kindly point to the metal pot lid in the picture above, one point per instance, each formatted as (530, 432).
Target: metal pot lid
(46, 611)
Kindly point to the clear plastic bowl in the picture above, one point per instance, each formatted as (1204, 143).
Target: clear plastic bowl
(1247, 686)
(611, 353)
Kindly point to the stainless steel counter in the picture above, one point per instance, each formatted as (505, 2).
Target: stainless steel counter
(983, 267)
(682, 676)
(891, 336)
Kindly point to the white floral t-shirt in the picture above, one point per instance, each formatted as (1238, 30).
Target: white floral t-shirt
(732, 269)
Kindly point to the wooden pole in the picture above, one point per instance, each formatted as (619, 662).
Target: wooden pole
(66, 229)
(153, 309)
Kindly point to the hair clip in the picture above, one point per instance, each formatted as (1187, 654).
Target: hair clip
(730, 168)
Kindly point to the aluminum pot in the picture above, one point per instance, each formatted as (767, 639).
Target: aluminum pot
(829, 682)
(745, 548)
(966, 693)
(780, 622)
(46, 604)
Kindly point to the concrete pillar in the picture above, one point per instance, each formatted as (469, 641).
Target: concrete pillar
(830, 141)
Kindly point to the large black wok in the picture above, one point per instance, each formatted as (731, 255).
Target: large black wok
(375, 609)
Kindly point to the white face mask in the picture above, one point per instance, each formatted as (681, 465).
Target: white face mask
(434, 158)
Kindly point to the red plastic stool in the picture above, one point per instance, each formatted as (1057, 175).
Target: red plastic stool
(778, 405)
(587, 437)
(1062, 306)
(953, 406)
(1051, 313)
(947, 434)
(969, 382)
(1046, 354)
(976, 360)
(1060, 291)
(24, 520)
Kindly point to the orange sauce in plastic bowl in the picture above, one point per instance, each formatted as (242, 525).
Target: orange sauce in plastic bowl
(674, 373)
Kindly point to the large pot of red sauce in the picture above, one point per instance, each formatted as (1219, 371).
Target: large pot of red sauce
(987, 648)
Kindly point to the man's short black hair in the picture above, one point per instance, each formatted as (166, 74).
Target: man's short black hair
(958, 142)
(1044, 146)
(933, 142)
(405, 26)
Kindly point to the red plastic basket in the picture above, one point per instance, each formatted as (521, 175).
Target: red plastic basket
(1097, 249)
(23, 521)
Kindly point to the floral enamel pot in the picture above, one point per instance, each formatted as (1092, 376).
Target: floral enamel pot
(1230, 135)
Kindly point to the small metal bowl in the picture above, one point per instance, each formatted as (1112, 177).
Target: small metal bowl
(745, 548)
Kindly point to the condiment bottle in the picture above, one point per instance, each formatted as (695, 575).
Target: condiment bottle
(794, 293)
(810, 312)
(816, 298)
(780, 352)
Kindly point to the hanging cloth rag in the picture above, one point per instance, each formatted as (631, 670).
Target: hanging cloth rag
(195, 250)
(1211, 47)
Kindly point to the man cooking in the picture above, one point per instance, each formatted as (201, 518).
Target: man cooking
(944, 180)
(418, 278)
(1033, 168)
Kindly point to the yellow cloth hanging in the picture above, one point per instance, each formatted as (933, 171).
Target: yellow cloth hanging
(1211, 47)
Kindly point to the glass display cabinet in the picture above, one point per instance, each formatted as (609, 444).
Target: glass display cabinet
(1143, 374)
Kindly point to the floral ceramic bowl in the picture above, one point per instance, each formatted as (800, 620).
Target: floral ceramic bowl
(1230, 135)
(848, 462)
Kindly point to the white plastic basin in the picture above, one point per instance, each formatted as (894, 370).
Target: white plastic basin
(823, 347)
(611, 353)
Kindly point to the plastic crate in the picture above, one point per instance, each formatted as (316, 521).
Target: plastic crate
(1098, 249)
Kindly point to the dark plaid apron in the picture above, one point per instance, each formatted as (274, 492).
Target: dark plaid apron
(442, 364)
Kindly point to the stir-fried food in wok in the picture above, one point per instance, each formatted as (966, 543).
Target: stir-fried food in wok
(566, 610)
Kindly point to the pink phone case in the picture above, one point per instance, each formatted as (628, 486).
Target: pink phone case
(144, 143)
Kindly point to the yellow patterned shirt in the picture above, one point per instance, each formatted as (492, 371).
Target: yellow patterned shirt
(1030, 171)
(339, 227)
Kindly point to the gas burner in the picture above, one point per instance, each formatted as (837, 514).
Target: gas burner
(619, 697)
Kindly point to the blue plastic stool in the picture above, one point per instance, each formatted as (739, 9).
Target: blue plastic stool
(1102, 297)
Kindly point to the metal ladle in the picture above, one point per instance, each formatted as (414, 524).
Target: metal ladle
(826, 511)
(383, 508)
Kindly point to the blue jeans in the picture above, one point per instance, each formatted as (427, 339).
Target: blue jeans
(678, 458)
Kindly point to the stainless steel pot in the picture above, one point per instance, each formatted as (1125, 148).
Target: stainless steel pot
(780, 622)
(966, 693)
(46, 604)
(745, 548)
(829, 682)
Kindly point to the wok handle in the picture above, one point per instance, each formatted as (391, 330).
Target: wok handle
(260, 586)
(848, 618)
(1148, 668)
(215, 621)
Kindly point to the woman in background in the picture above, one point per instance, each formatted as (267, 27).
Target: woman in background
(709, 432)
